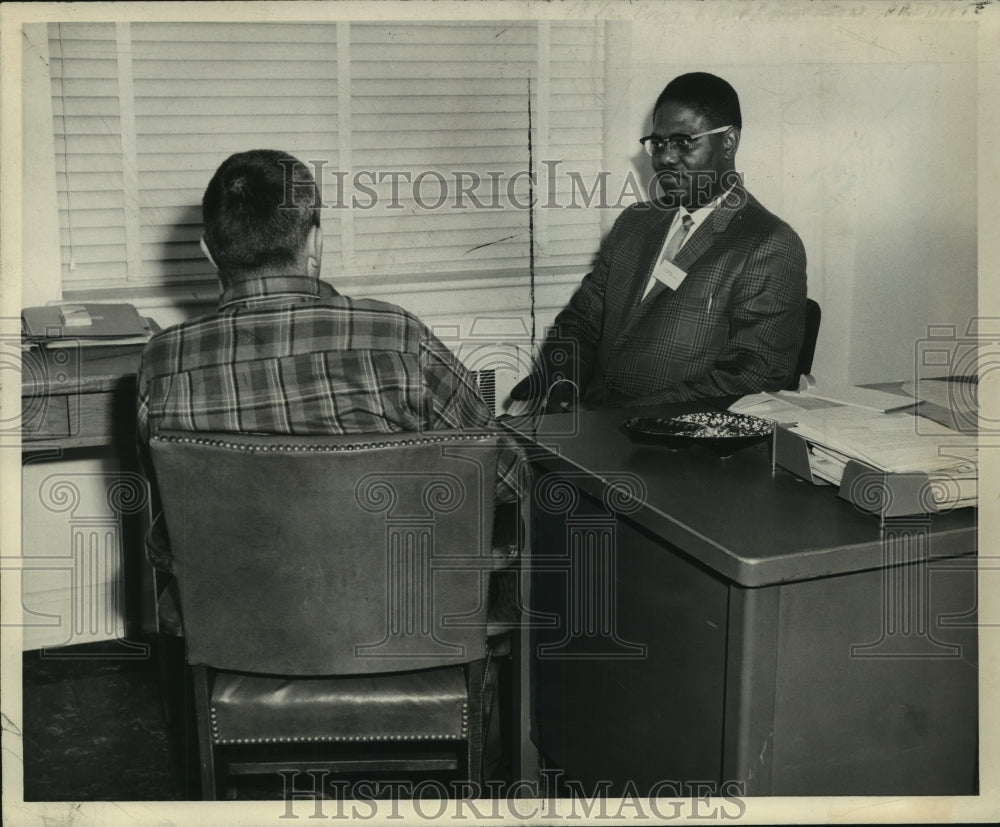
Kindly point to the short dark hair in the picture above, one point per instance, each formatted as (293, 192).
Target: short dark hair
(708, 95)
(258, 210)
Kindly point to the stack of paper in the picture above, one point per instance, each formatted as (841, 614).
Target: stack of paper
(891, 443)
(868, 398)
(767, 406)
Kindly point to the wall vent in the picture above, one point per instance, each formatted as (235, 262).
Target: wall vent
(487, 382)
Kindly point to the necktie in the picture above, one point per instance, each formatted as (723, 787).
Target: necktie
(674, 245)
(672, 249)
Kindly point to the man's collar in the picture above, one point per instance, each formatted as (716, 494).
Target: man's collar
(272, 287)
(700, 214)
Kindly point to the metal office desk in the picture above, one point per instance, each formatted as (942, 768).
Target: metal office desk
(716, 622)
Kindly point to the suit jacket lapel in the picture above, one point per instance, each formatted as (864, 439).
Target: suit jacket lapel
(654, 291)
(718, 220)
(658, 225)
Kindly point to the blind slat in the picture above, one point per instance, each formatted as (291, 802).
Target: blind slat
(201, 161)
(209, 53)
(428, 35)
(384, 222)
(420, 158)
(484, 123)
(449, 71)
(384, 88)
(213, 33)
(316, 105)
(247, 68)
(421, 57)
(234, 124)
(210, 142)
(95, 253)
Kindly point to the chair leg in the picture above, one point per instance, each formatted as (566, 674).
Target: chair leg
(209, 784)
(165, 675)
(474, 736)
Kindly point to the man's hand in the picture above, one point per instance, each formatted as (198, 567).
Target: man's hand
(561, 397)
(527, 388)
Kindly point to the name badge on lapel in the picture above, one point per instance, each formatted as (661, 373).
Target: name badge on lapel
(670, 274)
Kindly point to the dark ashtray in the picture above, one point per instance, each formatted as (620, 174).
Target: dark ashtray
(721, 432)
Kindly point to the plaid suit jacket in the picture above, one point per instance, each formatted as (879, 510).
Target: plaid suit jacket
(733, 326)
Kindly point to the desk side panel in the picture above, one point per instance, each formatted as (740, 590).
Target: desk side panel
(876, 683)
(629, 686)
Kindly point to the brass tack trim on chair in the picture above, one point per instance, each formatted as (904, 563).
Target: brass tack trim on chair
(300, 739)
(290, 447)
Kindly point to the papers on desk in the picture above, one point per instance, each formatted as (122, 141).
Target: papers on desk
(868, 398)
(961, 394)
(768, 406)
(954, 403)
(890, 442)
(871, 429)
(84, 325)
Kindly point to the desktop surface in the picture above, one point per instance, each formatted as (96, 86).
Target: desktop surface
(751, 523)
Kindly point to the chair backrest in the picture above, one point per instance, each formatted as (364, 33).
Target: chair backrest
(808, 349)
(329, 555)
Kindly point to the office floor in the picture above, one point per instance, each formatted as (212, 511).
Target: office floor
(94, 730)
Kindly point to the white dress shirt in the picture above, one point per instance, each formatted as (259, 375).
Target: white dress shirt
(666, 271)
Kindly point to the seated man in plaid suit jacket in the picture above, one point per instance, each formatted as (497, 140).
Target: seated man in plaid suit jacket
(699, 293)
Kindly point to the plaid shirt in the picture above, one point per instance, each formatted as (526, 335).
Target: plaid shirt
(288, 355)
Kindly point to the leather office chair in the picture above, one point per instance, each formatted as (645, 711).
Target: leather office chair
(808, 349)
(333, 597)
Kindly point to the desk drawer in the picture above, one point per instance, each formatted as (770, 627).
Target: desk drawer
(45, 417)
(80, 419)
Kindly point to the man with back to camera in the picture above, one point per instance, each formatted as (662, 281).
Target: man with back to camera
(698, 293)
(284, 352)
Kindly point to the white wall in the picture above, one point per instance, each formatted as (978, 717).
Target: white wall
(861, 134)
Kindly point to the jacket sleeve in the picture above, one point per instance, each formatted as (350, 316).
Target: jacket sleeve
(570, 347)
(766, 319)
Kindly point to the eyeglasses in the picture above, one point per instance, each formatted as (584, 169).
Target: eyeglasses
(654, 144)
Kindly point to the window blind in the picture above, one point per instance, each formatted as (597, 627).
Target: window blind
(576, 123)
(445, 106)
(88, 149)
(245, 86)
(419, 133)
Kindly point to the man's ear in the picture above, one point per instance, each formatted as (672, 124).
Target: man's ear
(314, 251)
(731, 143)
(208, 255)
